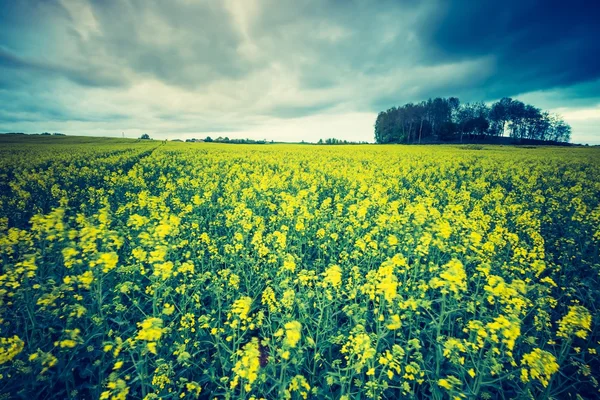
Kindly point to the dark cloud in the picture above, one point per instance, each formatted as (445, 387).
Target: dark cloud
(537, 44)
(87, 75)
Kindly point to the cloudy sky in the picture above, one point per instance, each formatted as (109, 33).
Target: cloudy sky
(286, 70)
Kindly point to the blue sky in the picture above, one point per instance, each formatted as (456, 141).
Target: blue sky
(286, 70)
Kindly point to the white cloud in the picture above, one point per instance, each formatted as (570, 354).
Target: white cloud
(581, 114)
(585, 123)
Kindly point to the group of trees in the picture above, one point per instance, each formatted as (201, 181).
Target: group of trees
(449, 120)
(235, 141)
(337, 141)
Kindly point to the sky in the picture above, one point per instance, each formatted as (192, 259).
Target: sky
(286, 70)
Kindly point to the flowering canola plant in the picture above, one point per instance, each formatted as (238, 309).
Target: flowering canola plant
(137, 270)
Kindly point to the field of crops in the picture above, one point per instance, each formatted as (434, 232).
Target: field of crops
(191, 270)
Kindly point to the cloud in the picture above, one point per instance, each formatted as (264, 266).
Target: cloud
(193, 67)
(537, 44)
(86, 75)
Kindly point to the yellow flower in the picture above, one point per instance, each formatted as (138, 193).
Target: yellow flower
(299, 384)
(69, 255)
(9, 348)
(86, 279)
(268, 299)
(538, 364)
(392, 240)
(504, 329)
(241, 307)
(247, 365)
(293, 333)
(151, 346)
(72, 339)
(70, 343)
(395, 324)
(193, 388)
(168, 309)
(359, 346)
(577, 322)
(333, 276)
(449, 383)
(163, 270)
(151, 330)
(108, 261)
(453, 278)
(188, 321)
(288, 298)
(289, 264)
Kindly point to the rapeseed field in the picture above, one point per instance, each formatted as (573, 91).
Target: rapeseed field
(164, 271)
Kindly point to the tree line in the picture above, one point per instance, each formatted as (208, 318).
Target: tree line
(33, 134)
(338, 141)
(446, 119)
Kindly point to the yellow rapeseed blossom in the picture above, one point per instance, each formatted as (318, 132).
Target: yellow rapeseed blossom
(333, 276)
(577, 322)
(108, 261)
(71, 340)
(86, 279)
(150, 331)
(163, 270)
(9, 348)
(293, 333)
(241, 307)
(298, 384)
(359, 349)
(168, 309)
(268, 299)
(538, 364)
(248, 365)
(289, 264)
(504, 330)
(193, 388)
(449, 383)
(395, 323)
(453, 279)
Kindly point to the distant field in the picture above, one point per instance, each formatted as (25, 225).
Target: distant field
(137, 269)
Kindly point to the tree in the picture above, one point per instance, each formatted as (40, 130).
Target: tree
(477, 126)
(208, 139)
(145, 136)
(387, 129)
(441, 112)
(473, 119)
(444, 119)
(454, 104)
(447, 131)
(499, 116)
(516, 115)
(559, 130)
